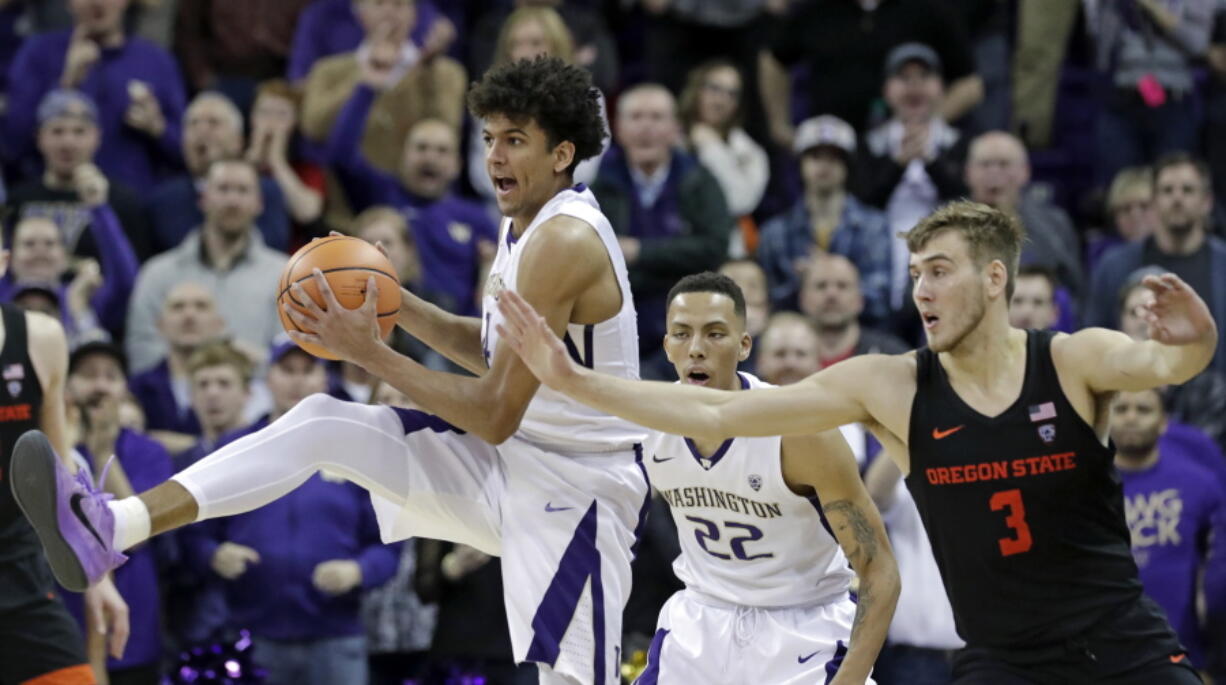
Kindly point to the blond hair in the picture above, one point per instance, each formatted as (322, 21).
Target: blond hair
(379, 214)
(990, 233)
(220, 353)
(561, 43)
(1126, 182)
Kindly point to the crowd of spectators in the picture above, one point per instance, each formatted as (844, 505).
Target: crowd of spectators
(161, 158)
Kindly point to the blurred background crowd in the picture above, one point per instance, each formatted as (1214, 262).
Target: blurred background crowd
(160, 159)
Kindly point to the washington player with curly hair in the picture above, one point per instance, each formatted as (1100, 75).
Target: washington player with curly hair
(500, 463)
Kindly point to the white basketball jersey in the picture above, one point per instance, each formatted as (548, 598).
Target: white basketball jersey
(611, 346)
(746, 538)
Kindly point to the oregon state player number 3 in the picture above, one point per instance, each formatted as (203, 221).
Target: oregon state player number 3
(1011, 500)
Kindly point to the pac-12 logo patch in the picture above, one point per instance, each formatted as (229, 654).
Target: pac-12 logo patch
(755, 482)
(14, 374)
(1048, 432)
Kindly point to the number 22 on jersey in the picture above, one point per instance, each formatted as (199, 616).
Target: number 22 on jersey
(709, 530)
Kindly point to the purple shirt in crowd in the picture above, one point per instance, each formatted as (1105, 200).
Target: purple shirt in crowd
(446, 231)
(146, 464)
(319, 521)
(126, 154)
(154, 393)
(119, 268)
(329, 27)
(1177, 514)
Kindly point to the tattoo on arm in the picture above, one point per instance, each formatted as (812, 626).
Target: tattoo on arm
(864, 604)
(853, 517)
(860, 547)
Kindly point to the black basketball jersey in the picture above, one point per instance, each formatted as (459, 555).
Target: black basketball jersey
(1024, 510)
(21, 399)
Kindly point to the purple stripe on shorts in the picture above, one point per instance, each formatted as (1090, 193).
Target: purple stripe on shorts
(580, 561)
(638, 529)
(413, 420)
(651, 674)
(832, 666)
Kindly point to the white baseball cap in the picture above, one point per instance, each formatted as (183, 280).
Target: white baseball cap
(824, 130)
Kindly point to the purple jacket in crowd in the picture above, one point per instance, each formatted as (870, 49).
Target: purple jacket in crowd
(446, 231)
(119, 269)
(153, 392)
(1177, 514)
(126, 154)
(146, 464)
(319, 521)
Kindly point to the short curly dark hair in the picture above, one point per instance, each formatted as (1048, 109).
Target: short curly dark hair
(558, 96)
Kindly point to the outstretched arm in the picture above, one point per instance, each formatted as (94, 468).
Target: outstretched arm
(825, 463)
(1182, 341)
(823, 401)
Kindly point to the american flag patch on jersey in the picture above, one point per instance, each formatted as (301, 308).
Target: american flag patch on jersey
(1042, 412)
(14, 372)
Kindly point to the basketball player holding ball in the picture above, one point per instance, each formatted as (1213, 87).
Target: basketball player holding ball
(352, 268)
(500, 464)
(1002, 433)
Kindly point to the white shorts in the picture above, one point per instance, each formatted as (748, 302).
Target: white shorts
(565, 525)
(703, 640)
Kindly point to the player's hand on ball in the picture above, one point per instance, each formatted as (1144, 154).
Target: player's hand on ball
(530, 336)
(1177, 315)
(350, 334)
(230, 560)
(337, 577)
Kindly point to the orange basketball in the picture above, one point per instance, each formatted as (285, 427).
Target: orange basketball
(347, 263)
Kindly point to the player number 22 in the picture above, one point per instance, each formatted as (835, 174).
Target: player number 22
(1011, 501)
(709, 530)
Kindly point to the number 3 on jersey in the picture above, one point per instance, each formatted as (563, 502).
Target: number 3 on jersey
(709, 530)
(1011, 500)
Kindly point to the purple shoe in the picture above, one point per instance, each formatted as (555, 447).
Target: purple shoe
(68, 513)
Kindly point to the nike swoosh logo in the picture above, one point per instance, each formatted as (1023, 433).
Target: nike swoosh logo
(938, 434)
(75, 504)
(658, 460)
(803, 659)
(1178, 658)
(550, 508)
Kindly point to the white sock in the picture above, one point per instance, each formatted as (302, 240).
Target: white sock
(132, 522)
